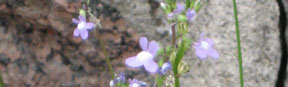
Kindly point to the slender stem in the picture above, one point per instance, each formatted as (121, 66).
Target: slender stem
(175, 72)
(105, 54)
(238, 44)
(173, 35)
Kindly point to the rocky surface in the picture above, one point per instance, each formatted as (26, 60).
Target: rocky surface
(37, 48)
(260, 42)
(259, 36)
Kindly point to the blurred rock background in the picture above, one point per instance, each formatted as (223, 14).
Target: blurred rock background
(37, 47)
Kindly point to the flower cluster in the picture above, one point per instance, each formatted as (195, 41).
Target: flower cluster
(190, 13)
(179, 15)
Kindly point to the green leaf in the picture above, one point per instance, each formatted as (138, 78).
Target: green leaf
(188, 2)
(179, 55)
(160, 80)
(192, 4)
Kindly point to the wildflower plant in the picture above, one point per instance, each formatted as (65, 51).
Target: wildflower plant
(145, 57)
(166, 61)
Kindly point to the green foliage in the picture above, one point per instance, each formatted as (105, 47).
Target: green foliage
(188, 3)
(160, 80)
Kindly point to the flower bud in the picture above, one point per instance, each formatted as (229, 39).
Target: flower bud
(183, 67)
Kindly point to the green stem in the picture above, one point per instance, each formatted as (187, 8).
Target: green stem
(105, 54)
(238, 44)
(175, 72)
(176, 79)
(180, 53)
(1, 81)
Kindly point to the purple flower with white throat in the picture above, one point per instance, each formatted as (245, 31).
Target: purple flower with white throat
(136, 83)
(191, 15)
(204, 47)
(82, 27)
(146, 56)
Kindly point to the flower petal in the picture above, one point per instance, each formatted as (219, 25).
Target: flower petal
(82, 18)
(166, 67)
(170, 16)
(151, 66)
(180, 7)
(76, 32)
(84, 34)
(191, 14)
(210, 41)
(213, 53)
(89, 25)
(201, 36)
(153, 48)
(200, 52)
(143, 43)
(133, 62)
(74, 20)
(144, 56)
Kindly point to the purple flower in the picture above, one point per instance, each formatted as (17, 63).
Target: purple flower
(146, 56)
(119, 79)
(204, 47)
(191, 14)
(165, 68)
(136, 83)
(180, 7)
(170, 16)
(82, 27)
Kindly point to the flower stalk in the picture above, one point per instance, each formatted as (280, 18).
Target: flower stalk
(107, 59)
(238, 43)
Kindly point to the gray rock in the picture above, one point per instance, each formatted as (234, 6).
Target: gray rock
(259, 39)
(259, 35)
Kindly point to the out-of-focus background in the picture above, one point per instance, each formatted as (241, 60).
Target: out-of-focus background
(38, 49)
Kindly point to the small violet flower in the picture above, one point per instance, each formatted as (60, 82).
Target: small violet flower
(146, 56)
(204, 47)
(179, 8)
(165, 68)
(82, 27)
(136, 83)
(191, 15)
